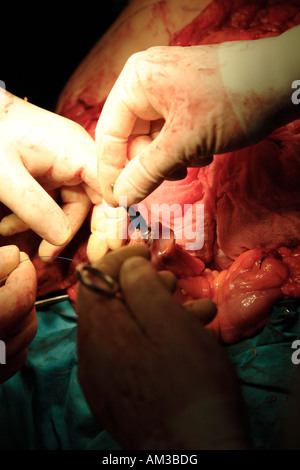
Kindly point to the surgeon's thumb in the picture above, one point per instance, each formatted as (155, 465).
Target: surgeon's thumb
(145, 172)
(135, 183)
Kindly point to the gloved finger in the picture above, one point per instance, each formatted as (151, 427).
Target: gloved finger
(12, 224)
(96, 248)
(115, 125)
(9, 260)
(51, 146)
(143, 133)
(110, 265)
(112, 145)
(113, 225)
(151, 303)
(113, 261)
(169, 279)
(17, 296)
(109, 230)
(137, 145)
(204, 309)
(76, 206)
(150, 168)
(93, 195)
(30, 202)
(20, 338)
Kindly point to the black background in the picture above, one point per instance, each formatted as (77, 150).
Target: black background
(41, 45)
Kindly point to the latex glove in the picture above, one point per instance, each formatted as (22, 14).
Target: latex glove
(147, 360)
(109, 227)
(18, 321)
(175, 107)
(44, 157)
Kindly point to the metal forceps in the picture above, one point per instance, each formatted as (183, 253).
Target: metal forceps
(51, 300)
(97, 280)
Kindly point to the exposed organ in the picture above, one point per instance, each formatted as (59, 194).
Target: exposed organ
(251, 255)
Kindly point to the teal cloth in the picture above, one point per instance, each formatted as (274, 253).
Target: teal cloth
(266, 372)
(42, 406)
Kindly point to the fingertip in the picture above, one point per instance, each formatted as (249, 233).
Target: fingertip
(136, 260)
(23, 256)
(138, 270)
(54, 226)
(9, 260)
(138, 179)
(128, 191)
(26, 263)
(57, 231)
(96, 248)
(63, 237)
(132, 252)
(12, 224)
(209, 305)
(169, 279)
(48, 252)
(109, 195)
(112, 263)
(204, 309)
(94, 196)
(9, 251)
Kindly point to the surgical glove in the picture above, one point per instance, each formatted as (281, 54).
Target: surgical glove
(109, 230)
(175, 107)
(44, 157)
(18, 321)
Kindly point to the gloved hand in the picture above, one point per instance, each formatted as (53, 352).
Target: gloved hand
(174, 107)
(109, 227)
(44, 156)
(146, 360)
(18, 321)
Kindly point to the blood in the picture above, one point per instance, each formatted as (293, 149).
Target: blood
(231, 20)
